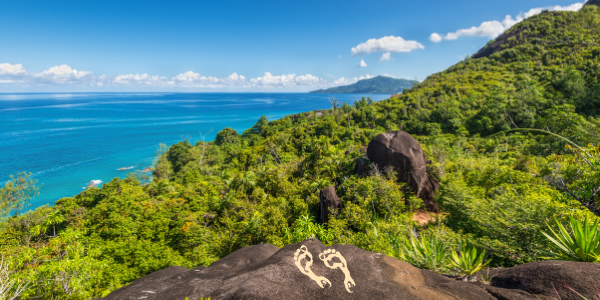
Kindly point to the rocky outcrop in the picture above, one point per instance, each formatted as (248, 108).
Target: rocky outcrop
(330, 204)
(496, 45)
(399, 150)
(542, 277)
(311, 270)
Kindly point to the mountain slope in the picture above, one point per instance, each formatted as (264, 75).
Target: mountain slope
(546, 65)
(375, 85)
(208, 199)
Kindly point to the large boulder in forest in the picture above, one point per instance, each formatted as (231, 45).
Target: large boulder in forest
(399, 150)
(311, 270)
(330, 202)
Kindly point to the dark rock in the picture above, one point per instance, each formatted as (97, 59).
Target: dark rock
(139, 287)
(538, 278)
(311, 270)
(401, 151)
(330, 203)
(593, 2)
(496, 45)
(262, 272)
(361, 168)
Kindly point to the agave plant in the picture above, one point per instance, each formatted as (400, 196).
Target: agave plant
(425, 252)
(468, 260)
(581, 244)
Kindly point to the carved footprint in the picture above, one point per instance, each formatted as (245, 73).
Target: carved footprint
(303, 253)
(327, 257)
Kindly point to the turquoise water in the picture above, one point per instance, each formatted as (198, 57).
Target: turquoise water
(68, 140)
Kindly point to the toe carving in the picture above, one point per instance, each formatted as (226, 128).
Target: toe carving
(301, 255)
(328, 258)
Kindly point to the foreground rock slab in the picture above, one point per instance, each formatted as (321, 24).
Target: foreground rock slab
(311, 270)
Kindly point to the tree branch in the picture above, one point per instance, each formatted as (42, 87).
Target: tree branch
(590, 206)
(594, 192)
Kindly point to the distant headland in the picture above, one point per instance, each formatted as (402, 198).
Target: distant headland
(375, 85)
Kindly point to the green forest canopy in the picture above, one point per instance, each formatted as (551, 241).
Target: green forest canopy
(261, 186)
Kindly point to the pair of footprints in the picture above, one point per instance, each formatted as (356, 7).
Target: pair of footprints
(327, 257)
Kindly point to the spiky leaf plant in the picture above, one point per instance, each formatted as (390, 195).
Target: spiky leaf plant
(468, 260)
(581, 244)
(425, 252)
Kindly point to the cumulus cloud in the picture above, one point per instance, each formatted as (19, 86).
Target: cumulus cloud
(385, 57)
(492, 29)
(141, 80)
(386, 44)
(10, 74)
(6, 68)
(347, 81)
(286, 80)
(66, 76)
(435, 37)
(63, 74)
(362, 64)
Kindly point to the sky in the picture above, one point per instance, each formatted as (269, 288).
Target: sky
(241, 46)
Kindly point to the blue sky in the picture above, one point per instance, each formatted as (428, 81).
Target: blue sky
(278, 46)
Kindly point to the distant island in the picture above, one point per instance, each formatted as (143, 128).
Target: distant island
(375, 85)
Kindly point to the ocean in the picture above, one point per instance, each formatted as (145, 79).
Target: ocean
(67, 140)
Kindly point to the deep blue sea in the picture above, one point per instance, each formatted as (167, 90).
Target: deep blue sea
(68, 140)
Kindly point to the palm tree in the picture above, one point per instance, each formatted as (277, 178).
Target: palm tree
(159, 188)
(243, 181)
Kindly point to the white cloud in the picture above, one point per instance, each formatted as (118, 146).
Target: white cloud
(141, 80)
(386, 44)
(63, 74)
(347, 81)
(362, 64)
(6, 68)
(340, 56)
(289, 80)
(385, 57)
(67, 77)
(11, 74)
(435, 37)
(492, 29)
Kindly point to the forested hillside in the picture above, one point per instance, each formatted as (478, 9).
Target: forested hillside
(376, 85)
(499, 190)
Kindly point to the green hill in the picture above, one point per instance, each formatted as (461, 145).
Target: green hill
(375, 85)
(548, 64)
(207, 200)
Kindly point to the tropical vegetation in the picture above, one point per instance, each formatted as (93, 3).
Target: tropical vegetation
(499, 190)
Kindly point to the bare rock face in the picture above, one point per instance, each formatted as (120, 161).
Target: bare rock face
(311, 270)
(539, 278)
(593, 2)
(399, 150)
(330, 202)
